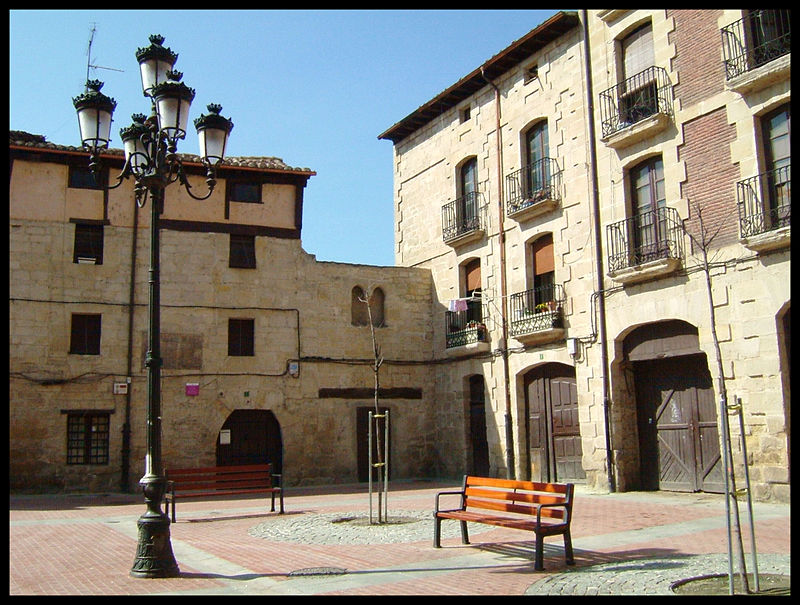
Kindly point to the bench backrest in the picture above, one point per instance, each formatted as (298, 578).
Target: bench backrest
(221, 477)
(509, 495)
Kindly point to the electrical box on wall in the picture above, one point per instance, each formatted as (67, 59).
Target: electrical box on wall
(120, 388)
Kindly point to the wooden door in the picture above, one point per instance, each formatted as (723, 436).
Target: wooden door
(677, 422)
(477, 427)
(553, 426)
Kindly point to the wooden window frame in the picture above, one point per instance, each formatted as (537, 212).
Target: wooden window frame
(85, 334)
(241, 337)
(88, 438)
(242, 253)
(88, 243)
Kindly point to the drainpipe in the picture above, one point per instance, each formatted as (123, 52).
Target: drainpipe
(510, 464)
(598, 246)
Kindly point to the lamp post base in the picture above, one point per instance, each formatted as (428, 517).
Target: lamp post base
(154, 558)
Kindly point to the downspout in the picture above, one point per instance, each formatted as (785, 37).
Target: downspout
(126, 427)
(510, 464)
(598, 246)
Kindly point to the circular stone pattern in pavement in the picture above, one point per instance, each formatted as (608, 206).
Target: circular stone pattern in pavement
(647, 576)
(354, 528)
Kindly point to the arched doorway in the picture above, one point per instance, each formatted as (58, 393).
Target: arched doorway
(554, 437)
(675, 409)
(250, 437)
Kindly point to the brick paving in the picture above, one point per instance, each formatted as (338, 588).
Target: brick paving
(630, 543)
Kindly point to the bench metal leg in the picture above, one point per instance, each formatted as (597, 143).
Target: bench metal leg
(272, 508)
(538, 564)
(464, 533)
(568, 548)
(174, 519)
(437, 524)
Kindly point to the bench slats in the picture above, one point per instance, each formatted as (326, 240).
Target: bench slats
(213, 481)
(529, 500)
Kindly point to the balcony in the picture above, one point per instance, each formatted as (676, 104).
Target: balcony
(645, 247)
(537, 315)
(465, 331)
(533, 190)
(636, 108)
(463, 220)
(765, 204)
(756, 49)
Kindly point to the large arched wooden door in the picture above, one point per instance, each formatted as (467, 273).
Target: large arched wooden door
(554, 436)
(677, 421)
(250, 437)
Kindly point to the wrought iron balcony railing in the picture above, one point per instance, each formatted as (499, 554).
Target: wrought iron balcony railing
(537, 309)
(755, 40)
(532, 184)
(644, 238)
(641, 96)
(465, 327)
(462, 216)
(765, 201)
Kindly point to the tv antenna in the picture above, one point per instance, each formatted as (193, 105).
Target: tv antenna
(89, 64)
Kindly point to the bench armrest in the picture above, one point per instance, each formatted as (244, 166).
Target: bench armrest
(554, 504)
(450, 493)
(277, 476)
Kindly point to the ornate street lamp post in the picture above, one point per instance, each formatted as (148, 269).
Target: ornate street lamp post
(151, 158)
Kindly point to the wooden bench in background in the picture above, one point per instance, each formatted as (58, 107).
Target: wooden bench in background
(217, 481)
(543, 508)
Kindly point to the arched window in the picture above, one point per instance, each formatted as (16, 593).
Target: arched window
(359, 314)
(648, 202)
(536, 151)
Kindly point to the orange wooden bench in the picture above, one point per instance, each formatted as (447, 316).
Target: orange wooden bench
(216, 481)
(543, 508)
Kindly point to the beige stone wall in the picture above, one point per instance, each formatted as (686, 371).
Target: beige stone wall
(711, 132)
(302, 313)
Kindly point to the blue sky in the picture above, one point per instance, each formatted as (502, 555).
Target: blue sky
(314, 88)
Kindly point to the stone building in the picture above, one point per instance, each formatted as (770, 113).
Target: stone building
(583, 175)
(548, 316)
(267, 351)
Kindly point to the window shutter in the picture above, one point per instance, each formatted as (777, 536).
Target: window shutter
(472, 275)
(543, 261)
(637, 51)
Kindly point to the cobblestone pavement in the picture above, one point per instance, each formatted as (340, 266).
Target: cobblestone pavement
(629, 543)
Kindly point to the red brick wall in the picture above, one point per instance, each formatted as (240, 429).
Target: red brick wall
(698, 55)
(711, 176)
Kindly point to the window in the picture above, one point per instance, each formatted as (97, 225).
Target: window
(469, 191)
(531, 73)
(465, 114)
(242, 251)
(472, 289)
(85, 334)
(776, 131)
(240, 337)
(88, 248)
(359, 315)
(648, 201)
(87, 438)
(244, 191)
(80, 177)
(543, 269)
(639, 95)
(538, 177)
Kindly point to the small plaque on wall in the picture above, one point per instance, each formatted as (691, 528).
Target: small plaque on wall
(192, 388)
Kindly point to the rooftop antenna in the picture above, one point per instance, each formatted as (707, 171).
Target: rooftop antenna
(89, 64)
